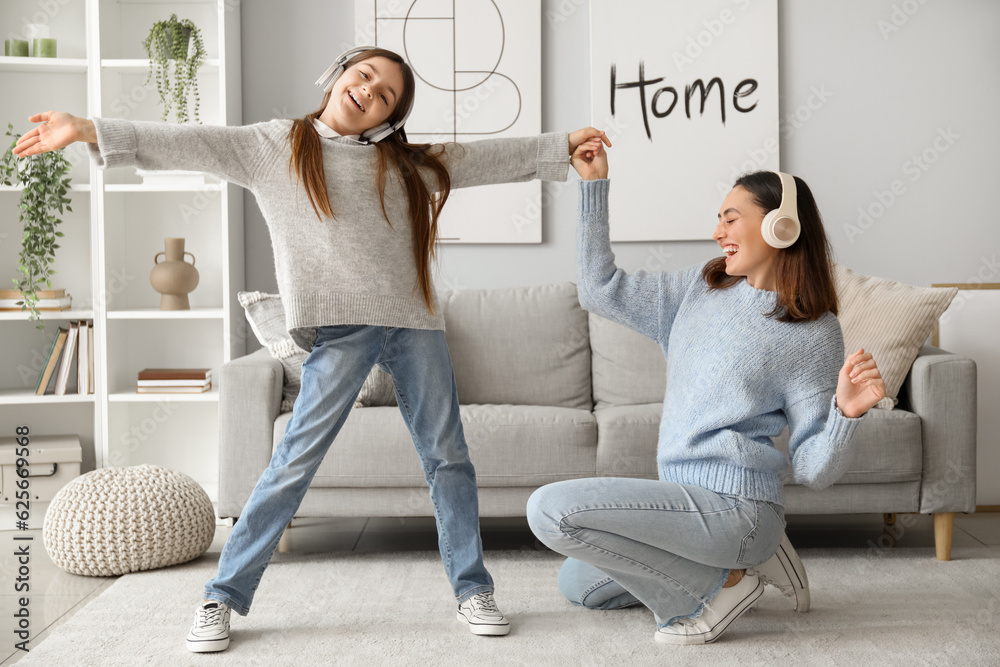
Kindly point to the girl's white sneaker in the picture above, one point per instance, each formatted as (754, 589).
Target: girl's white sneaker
(210, 631)
(480, 613)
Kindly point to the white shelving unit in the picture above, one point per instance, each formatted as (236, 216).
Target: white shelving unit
(112, 235)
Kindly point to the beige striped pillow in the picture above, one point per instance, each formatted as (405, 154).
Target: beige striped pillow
(889, 319)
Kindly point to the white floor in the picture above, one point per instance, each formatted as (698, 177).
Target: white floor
(56, 595)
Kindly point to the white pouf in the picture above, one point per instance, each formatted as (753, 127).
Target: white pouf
(113, 521)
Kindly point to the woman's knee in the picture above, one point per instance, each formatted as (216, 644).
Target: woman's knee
(543, 514)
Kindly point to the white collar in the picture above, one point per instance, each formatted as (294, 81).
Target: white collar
(328, 132)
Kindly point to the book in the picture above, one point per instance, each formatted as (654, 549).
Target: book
(175, 374)
(66, 364)
(58, 341)
(82, 360)
(90, 355)
(174, 383)
(173, 390)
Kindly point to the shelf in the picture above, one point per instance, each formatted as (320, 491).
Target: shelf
(210, 396)
(76, 187)
(141, 187)
(210, 66)
(71, 314)
(38, 65)
(154, 314)
(29, 397)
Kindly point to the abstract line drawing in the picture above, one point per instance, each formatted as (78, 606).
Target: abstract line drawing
(430, 68)
(477, 65)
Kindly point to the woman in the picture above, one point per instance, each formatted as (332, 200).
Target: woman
(752, 344)
(352, 209)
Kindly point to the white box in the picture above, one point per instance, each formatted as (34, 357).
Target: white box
(54, 461)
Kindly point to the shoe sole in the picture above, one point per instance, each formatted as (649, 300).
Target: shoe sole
(485, 629)
(716, 632)
(796, 574)
(208, 645)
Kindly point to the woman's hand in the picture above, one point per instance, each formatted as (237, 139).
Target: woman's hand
(590, 159)
(587, 133)
(56, 130)
(860, 385)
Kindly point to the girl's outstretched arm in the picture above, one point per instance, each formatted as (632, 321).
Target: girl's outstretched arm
(514, 160)
(230, 153)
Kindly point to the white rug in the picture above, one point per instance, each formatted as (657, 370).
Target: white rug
(898, 607)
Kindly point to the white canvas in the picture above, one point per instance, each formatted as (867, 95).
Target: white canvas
(670, 177)
(478, 70)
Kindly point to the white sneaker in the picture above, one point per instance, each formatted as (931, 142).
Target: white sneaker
(482, 616)
(718, 614)
(210, 631)
(785, 571)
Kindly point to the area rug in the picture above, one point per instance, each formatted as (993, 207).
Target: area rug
(870, 607)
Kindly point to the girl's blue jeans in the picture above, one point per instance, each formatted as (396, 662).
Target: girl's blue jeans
(332, 376)
(668, 546)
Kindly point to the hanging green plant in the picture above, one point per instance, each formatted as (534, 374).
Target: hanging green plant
(45, 180)
(169, 41)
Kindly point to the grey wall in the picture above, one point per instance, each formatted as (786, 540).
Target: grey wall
(886, 95)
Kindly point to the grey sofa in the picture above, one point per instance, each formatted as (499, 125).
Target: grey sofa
(550, 392)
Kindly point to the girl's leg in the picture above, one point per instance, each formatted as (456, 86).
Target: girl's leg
(587, 586)
(421, 369)
(332, 376)
(670, 545)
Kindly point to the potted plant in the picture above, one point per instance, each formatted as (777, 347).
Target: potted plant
(45, 180)
(179, 41)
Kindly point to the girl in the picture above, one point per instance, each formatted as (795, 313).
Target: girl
(352, 209)
(752, 345)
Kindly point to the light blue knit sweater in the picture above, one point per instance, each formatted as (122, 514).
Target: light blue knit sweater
(735, 377)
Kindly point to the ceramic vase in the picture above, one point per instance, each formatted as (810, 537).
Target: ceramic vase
(173, 278)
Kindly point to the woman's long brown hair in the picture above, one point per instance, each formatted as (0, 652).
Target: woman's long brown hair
(394, 150)
(803, 270)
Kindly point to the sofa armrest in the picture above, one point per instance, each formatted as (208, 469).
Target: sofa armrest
(249, 402)
(941, 389)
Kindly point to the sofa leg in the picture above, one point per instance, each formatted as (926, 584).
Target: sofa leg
(283, 542)
(944, 524)
(889, 519)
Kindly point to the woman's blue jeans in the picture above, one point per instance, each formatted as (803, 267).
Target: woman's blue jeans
(668, 546)
(332, 376)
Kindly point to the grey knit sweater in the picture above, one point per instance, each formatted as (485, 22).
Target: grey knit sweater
(355, 268)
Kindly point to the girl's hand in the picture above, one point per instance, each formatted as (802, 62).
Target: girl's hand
(57, 130)
(590, 159)
(860, 385)
(580, 136)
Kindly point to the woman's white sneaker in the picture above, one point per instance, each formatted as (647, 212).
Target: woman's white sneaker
(785, 571)
(210, 631)
(718, 614)
(480, 613)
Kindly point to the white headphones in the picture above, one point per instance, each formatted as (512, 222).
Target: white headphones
(781, 226)
(330, 76)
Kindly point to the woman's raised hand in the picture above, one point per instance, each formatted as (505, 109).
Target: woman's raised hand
(56, 129)
(590, 159)
(860, 385)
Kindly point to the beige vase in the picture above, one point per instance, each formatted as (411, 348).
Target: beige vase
(173, 278)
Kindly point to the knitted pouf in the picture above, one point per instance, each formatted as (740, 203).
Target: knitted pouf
(117, 520)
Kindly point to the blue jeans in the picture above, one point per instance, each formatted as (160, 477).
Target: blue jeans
(332, 376)
(668, 546)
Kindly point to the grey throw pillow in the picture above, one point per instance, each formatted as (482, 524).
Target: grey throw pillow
(266, 316)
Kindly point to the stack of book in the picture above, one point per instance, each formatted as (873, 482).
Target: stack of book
(73, 352)
(51, 299)
(174, 380)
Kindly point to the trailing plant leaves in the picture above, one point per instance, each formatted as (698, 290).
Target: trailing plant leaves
(175, 84)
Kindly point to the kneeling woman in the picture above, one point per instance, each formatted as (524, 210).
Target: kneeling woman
(752, 344)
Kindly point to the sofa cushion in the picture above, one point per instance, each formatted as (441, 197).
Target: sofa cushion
(520, 346)
(627, 367)
(886, 445)
(889, 319)
(510, 445)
